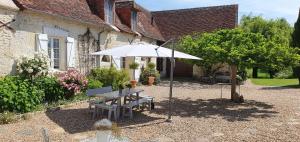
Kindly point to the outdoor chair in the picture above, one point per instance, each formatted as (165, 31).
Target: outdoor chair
(92, 92)
(150, 100)
(131, 105)
(111, 109)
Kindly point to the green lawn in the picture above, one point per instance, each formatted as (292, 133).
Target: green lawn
(277, 82)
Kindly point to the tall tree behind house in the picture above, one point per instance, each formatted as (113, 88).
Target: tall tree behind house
(296, 44)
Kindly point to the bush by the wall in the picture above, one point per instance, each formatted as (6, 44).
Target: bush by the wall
(110, 77)
(51, 87)
(17, 95)
(33, 67)
(93, 84)
(73, 82)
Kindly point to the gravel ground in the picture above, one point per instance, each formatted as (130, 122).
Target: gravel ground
(269, 114)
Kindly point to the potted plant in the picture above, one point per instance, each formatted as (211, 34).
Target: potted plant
(133, 66)
(151, 78)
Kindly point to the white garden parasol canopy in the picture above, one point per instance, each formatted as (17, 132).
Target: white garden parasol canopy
(144, 50)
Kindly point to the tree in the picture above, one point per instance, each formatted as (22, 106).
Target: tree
(277, 31)
(237, 48)
(296, 44)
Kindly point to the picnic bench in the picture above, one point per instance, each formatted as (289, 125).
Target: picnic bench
(106, 94)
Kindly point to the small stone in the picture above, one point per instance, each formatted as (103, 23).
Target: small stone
(217, 134)
(80, 137)
(202, 140)
(58, 130)
(25, 132)
(2, 130)
(164, 139)
(293, 123)
(278, 124)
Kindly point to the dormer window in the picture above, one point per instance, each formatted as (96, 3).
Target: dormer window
(133, 20)
(109, 11)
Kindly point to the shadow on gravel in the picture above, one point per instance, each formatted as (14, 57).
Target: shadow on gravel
(80, 120)
(188, 83)
(217, 108)
(281, 87)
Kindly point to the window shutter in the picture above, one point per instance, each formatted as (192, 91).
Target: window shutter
(117, 62)
(71, 60)
(42, 43)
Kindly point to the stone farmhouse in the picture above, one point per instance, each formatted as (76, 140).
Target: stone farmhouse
(69, 30)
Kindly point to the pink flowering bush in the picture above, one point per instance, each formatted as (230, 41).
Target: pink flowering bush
(73, 82)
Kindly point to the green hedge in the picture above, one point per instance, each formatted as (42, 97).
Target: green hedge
(51, 87)
(110, 77)
(19, 95)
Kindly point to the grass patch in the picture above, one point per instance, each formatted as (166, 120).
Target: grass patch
(294, 83)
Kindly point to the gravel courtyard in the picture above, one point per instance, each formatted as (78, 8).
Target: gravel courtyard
(269, 114)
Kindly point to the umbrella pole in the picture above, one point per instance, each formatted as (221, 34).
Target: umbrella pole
(171, 83)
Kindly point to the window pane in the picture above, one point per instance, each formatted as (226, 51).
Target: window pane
(56, 63)
(56, 53)
(133, 20)
(55, 43)
(49, 48)
(109, 11)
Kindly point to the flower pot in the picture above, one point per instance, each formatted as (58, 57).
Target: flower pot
(151, 80)
(133, 83)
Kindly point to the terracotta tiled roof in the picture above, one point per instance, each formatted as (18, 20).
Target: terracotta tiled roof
(160, 25)
(75, 9)
(177, 23)
(145, 26)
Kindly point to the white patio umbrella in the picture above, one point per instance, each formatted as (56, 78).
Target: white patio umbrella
(144, 50)
(149, 50)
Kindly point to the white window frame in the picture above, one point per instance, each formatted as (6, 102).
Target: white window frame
(134, 19)
(51, 52)
(109, 11)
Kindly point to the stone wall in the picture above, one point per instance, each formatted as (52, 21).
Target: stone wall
(6, 36)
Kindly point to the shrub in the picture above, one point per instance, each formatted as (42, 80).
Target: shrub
(51, 87)
(73, 82)
(110, 77)
(19, 95)
(134, 66)
(33, 67)
(285, 74)
(93, 84)
(146, 73)
(7, 117)
(151, 66)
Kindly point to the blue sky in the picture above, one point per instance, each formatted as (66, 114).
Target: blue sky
(287, 9)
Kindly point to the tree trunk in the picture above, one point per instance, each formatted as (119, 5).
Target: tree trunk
(296, 71)
(235, 97)
(272, 73)
(255, 72)
(233, 82)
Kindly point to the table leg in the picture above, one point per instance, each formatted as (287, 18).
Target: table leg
(138, 98)
(221, 91)
(119, 107)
